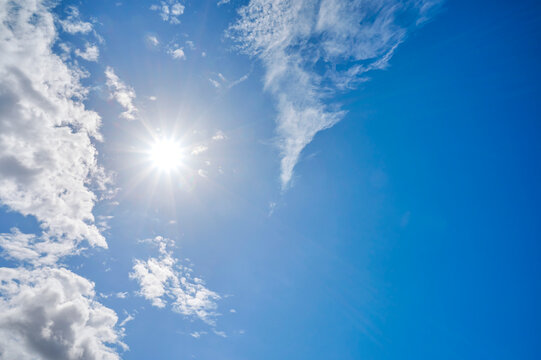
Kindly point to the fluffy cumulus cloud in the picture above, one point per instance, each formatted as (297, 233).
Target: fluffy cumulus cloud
(152, 40)
(164, 280)
(177, 53)
(48, 166)
(122, 93)
(51, 313)
(311, 49)
(48, 170)
(169, 10)
(90, 53)
(73, 24)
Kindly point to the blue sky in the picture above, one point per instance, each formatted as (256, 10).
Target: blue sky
(270, 179)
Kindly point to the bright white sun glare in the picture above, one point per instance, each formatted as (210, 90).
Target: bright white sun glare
(166, 154)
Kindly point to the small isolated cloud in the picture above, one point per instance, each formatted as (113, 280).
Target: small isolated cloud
(220, 333)
(218, 136)
(197, 334)
(220, 81)
(177, 53)
(214, 83)
(223, 2)
(152, 98)
(190, 44)
(203, 54)
(122, 93)
(73, 24)
(152, 40)
(272, 207)
(202, 173)
(121, 295)
(91, 53)
(127, 319)
(199, 149)
(169, 10)
(164, 281)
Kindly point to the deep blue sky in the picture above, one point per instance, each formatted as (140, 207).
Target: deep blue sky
(411, 229)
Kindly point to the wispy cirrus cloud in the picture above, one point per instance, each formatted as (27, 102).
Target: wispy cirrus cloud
(164, 280)
(311, 49)
(219, 81)
(122, 93)
(152, 40)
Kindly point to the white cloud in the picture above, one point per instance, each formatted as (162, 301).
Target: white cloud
(91, 53)
(51, 313)
(152, 40)
(214, 83)
(169, 10)
(34, 249)
(48, 166)
(152, 98)
(164, 281)
(220, 333)
(128, 318)
(219, 136)
(199, 149)
(190, 44)
(222, 2)
(121, 295)
(73, 24)
(197, 334)
(48, 170)
(222, 81)
(292, 37)
(122, 93)
(238, 81)
(203, 173)
(177, 53)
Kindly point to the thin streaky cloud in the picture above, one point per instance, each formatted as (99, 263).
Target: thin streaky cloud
(289, 37)
(122, 93)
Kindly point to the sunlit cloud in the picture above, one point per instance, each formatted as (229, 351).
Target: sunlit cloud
(165, 281)
(289, 38)
(122, 93)
(169, 10)
(91, 53)
(177, 53)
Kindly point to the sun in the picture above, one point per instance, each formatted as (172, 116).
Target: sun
(166, 155)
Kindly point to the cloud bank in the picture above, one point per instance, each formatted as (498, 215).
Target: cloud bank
(312, 49)
(48, 166)
(48, 170)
